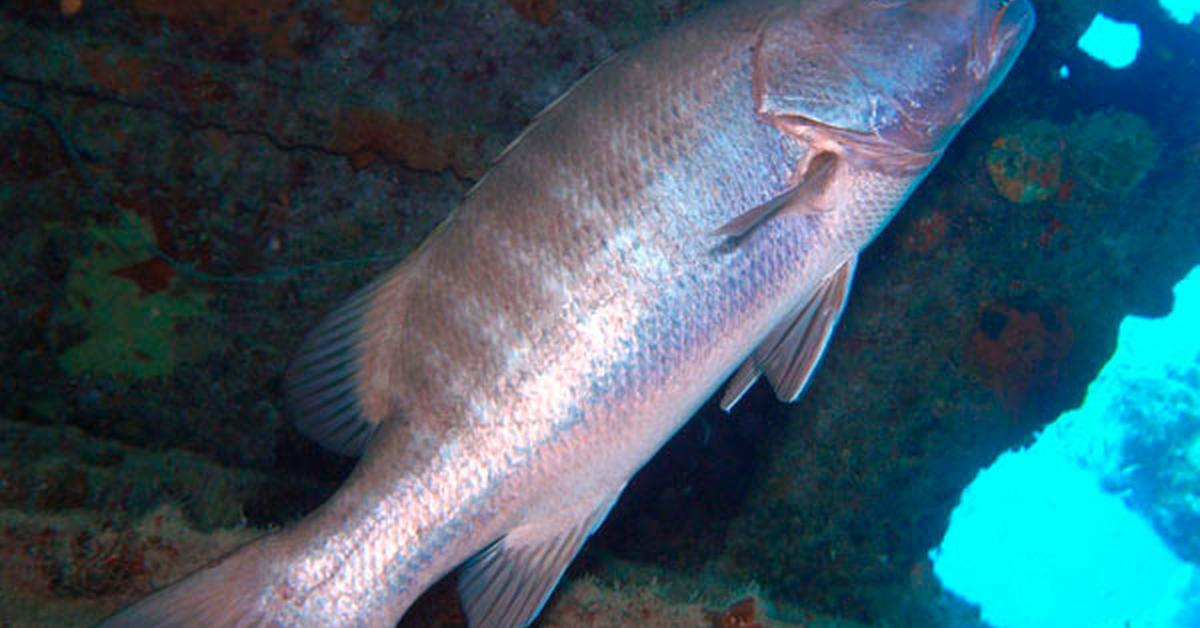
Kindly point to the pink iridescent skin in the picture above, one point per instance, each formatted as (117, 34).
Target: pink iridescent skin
(585, 299)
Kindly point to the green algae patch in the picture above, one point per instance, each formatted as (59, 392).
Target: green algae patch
(137, 317)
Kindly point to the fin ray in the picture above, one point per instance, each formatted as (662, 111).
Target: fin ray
(322, 383)
(792, 361)
(790, 353)
(509, 582)
(740, 383)
(802, 197)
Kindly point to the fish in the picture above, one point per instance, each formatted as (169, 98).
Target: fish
(690, 213)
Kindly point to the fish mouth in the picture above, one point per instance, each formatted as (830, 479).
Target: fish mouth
(998, 31)
(1000, 34)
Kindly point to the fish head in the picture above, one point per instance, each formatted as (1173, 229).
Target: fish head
(905, 73)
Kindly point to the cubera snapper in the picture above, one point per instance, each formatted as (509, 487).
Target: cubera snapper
(691, 210)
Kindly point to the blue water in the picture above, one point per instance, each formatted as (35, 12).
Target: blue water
(1113, 42)
(1182, 11)
(1036, 541)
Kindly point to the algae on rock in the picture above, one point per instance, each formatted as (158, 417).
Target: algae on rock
(131, 330)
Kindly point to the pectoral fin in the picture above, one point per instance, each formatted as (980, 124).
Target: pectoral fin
(803, 197)
(790, 353)
(508, 583)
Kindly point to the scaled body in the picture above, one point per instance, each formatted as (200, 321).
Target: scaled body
(693, 206)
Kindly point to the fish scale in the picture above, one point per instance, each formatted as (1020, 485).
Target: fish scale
(692, 209)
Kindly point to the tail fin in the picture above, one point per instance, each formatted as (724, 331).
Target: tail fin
(228, 593)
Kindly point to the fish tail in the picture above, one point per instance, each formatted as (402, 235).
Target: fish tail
(227, 593)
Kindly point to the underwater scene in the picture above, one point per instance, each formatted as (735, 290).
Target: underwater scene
(1002, 429)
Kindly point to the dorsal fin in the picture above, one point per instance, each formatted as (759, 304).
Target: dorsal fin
(790, 353)
(322, 385)
(507, 584)
(537, 119)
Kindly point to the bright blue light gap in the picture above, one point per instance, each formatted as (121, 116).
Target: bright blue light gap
(1036, 542)
(1111, 42)
(1182, 11)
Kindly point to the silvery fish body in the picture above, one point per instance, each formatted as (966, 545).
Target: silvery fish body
(690, 210)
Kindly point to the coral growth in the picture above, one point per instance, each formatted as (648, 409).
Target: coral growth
(223, 16)
(630, 595)
(1111, 152)
(538, 11)
(366, 135)
(1102, 155)
(740, 614)
(74, 569)
(926, 233)
(1158, 467)
(356, 11)
(1026, 164)
(1018, 349)
(123, 74)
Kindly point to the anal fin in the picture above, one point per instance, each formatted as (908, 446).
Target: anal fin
(507, 584)
(791, 352)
